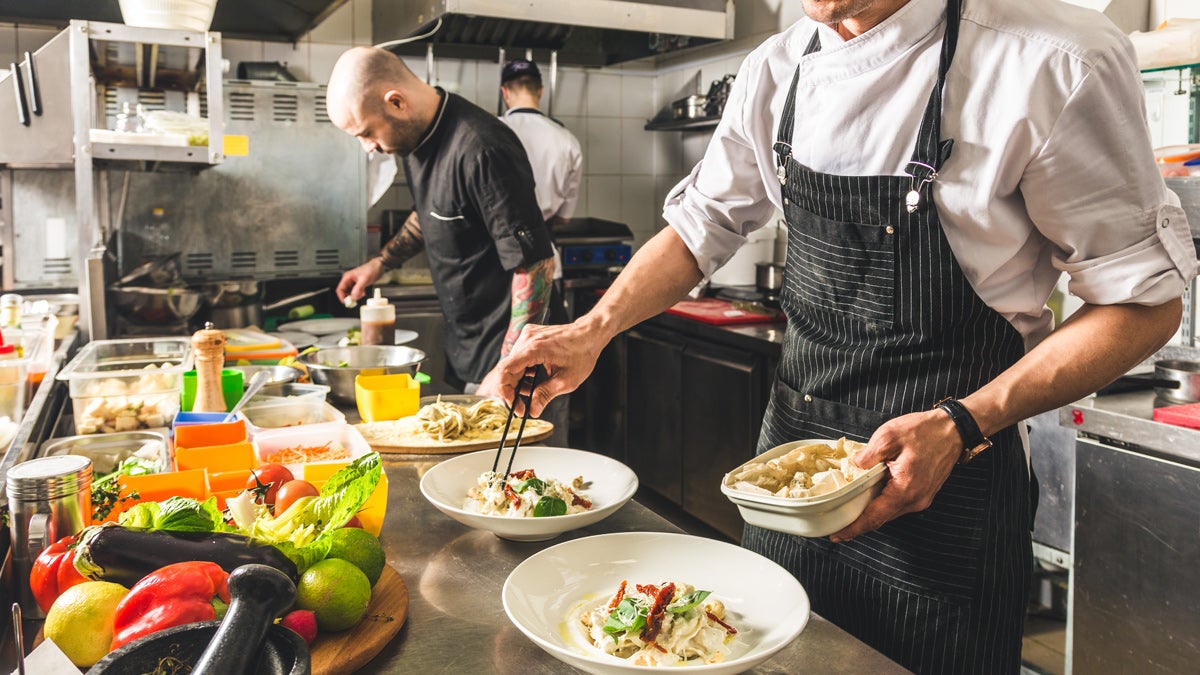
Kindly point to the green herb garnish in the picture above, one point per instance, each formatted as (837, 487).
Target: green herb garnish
(628, 616)
(688, 601)
(549, 506)
(535, 484)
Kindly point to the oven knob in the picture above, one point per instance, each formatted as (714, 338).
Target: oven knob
(610, 255)
(587, 255)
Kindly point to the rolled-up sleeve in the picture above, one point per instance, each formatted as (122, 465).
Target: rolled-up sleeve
(723, 199)
(1095, 192)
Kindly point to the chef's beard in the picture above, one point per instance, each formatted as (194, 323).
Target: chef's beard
(403, 136)
(836, 11)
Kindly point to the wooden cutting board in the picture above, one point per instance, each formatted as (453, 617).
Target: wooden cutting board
(346, 652)
(400, 437)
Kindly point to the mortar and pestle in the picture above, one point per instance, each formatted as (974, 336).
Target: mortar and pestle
(246, 641)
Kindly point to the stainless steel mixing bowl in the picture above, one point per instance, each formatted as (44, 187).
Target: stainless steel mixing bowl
(338, 366)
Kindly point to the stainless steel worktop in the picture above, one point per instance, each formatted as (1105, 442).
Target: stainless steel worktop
(454, 575)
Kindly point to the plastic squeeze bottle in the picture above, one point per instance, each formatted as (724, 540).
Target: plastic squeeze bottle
(208, 345)
(378, 321)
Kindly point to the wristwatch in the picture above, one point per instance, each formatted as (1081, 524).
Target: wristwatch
(974, 440)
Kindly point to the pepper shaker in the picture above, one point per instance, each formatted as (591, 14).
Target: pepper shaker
(208, 345)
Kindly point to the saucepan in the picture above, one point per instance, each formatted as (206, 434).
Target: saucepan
(1175, 380)
(768, 276)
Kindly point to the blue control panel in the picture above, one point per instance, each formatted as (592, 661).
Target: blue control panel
(596, 255)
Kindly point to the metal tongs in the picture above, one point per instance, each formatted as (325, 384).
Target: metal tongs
(524, 393)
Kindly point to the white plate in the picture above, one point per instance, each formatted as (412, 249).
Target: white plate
(613, 484)
(763, 601)
(321, 326)
(332, 340)
(298, 339)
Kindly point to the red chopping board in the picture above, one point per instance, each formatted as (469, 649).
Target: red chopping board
(721, 312)
(1180, 415)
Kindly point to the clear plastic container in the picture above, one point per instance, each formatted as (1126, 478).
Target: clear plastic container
(338, 435)
(289, 412)
(107, 451)
(125, 385)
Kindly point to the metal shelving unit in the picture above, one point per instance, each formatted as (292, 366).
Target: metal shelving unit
(698, 124)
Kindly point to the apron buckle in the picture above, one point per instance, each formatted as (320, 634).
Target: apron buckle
(912, 200)
(781, 173)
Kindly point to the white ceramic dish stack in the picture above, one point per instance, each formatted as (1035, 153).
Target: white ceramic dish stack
(612, 484)
(763, 601)
(818, 516)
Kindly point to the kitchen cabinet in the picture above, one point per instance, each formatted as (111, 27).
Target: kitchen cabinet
(695, 398)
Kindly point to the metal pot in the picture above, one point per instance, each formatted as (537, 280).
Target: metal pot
(689, 108)
(156, 306)
(1185, 373)
(234, 304)
(768, 276)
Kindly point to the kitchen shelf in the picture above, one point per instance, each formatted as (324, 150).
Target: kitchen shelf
(683, 125)
(1187, 66)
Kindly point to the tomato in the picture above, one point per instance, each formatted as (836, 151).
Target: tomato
(291, 491)
(353, 522)
(273, 476)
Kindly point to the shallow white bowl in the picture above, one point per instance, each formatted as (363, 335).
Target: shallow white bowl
(613, 484)
(818, 516)
(763, 601)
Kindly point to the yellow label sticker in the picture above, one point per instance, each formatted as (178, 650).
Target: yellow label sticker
(237, 145)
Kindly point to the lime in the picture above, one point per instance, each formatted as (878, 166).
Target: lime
(361, 548)
(81, 620)
(336, 591)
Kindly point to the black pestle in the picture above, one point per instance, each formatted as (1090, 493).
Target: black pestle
(257, 594)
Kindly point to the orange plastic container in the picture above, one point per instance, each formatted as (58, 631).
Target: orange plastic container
(222, 481)
(201, 435)
(216, 458)
(156, 487)
(224, 495)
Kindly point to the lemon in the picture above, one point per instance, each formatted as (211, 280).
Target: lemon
(80, 621)
(336, 591)
(361, 548)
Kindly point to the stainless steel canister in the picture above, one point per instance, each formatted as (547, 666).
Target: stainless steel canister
(48, 498)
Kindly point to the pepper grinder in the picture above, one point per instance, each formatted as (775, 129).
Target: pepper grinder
(208, 346)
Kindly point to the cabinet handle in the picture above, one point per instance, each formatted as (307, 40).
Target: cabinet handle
(19, 90)
(35, 91)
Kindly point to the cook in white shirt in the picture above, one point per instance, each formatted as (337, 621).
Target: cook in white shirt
(553, 150)
(1051, 172)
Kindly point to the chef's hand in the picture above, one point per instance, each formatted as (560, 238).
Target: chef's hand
(920, 449)
(567, 352)
(354, 283)
(490, 386)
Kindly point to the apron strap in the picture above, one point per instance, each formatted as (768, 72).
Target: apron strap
(931, 152)
(787, 123)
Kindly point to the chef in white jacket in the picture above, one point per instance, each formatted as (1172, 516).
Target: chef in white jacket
(940, 163)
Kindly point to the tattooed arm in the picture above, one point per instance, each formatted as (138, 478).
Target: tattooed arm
(408, 242)
(530, 299)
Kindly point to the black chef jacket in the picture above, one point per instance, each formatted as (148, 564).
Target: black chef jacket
(474, 196)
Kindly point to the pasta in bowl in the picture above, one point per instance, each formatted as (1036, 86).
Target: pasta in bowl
(720, 608)
(589, 486)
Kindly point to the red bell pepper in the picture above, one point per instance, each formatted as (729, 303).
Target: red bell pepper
(54, 572)
(185, 592)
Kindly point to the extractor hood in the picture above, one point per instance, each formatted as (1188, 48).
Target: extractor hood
(583, 32)
(280, 20)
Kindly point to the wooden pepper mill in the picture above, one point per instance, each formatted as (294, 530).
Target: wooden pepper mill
(208, 346)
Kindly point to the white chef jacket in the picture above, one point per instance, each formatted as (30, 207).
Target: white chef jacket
(555, 157)
(1052, 169)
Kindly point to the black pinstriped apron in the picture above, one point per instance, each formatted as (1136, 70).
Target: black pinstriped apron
(882, 322)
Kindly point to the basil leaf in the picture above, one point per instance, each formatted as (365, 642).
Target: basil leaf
(535, 484)
(625, 618)
(549, 506)
(688, 601)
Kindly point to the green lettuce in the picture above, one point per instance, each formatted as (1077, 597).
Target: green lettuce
(303, 531)
(177, 514)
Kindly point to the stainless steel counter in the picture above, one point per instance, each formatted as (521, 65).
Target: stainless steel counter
(454, 574)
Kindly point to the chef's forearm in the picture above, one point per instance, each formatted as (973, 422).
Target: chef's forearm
(1095, 346)
(659, 275)
(530, 299)
(406, 243)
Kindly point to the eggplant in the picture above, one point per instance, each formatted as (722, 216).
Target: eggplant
(124, 555)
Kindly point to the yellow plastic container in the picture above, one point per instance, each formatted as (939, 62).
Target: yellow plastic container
(373, 510)
(216, 458)
(386, 397)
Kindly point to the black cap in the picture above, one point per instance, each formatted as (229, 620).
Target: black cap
(519, 68)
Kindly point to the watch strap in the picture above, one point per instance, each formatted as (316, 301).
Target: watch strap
(974, 442)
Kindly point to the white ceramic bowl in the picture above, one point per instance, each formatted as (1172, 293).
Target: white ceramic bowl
(763, 601)
(818, 516)
(613, 484)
